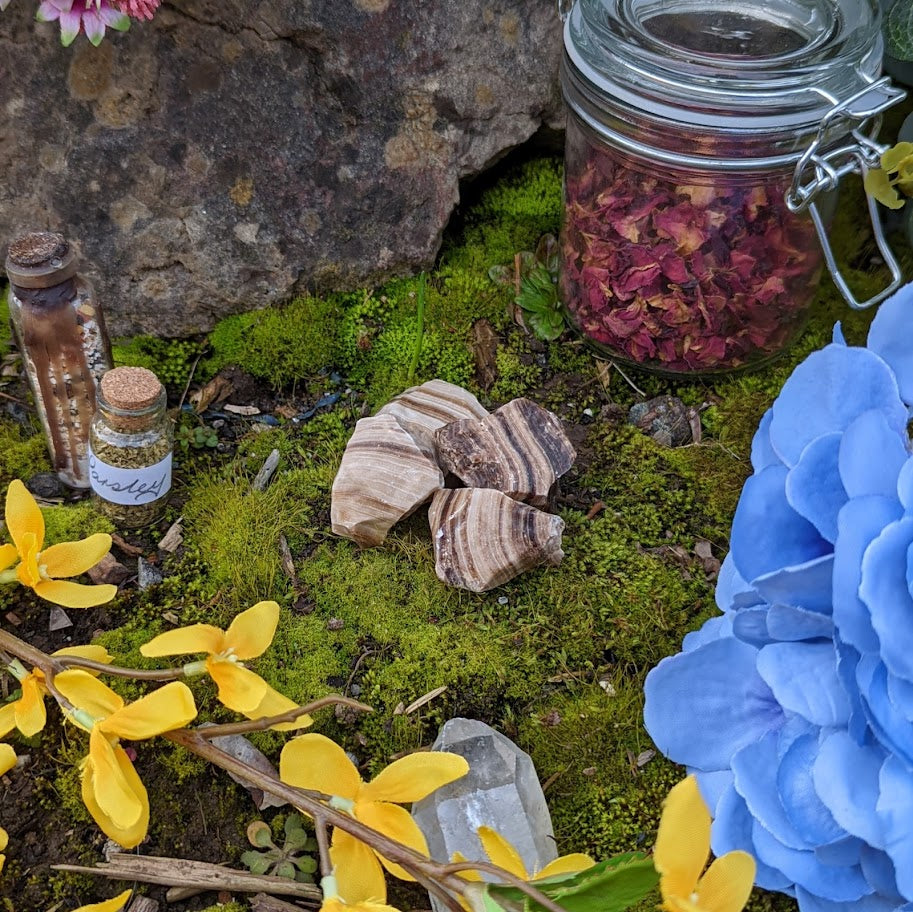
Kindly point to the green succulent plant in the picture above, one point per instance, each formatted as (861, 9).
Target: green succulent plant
(291, 860)
(537, 299)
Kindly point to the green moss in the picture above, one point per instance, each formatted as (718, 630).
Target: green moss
(280, 345)
(73, 522)
(22, 454)
(171, 360)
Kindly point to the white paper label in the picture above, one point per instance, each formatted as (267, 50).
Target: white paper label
(129, 486)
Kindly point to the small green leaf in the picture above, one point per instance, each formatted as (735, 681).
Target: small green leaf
(255, 862)
(285, 869)
(293, 822)
(259, 834)
(303, 878)
(307, 864)
(610, 886)
(898, 30)
(295, 840)
(501, 275)
(480, 900)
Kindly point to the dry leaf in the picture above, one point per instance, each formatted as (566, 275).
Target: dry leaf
(484, 350)
(173, 538)
(245, 410)
(427, 698)
(241, 749)
(218, 389)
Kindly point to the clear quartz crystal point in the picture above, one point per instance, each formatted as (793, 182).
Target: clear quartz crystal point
(501, 791)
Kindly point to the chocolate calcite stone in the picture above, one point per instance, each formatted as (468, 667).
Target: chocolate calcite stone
(482, 538)
(229, 154)
(421, 410)
(521, 450)
(384, 475)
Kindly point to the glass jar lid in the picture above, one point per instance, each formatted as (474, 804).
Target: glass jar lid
(775, 66)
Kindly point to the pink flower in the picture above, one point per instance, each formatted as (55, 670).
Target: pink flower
(90, 16)
(138, 9)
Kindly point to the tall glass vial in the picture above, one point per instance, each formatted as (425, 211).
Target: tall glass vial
(699, 132)
(59, 327)
(130, 447)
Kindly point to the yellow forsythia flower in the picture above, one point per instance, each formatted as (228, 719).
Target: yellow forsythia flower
(111, 789)
(109, 905)
(504, 855)
(28, 713)
(315, 762)
(4, 841)
(41, 570)
(681, 852)
(247, 637)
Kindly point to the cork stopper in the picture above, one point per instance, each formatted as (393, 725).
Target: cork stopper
(130, 388)
(40, 259)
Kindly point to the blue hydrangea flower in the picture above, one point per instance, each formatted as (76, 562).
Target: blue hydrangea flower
(794, 708)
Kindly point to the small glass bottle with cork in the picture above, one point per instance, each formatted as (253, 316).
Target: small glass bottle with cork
(131, 440)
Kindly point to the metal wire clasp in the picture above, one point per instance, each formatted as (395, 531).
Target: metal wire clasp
(564, 8)
(819, 171)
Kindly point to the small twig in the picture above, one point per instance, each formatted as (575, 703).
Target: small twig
(323, 847)
(118, 671)
(267, 470)
(290, 715)
(11, 398)
(628, 380)
(193, 370)
(510, 879)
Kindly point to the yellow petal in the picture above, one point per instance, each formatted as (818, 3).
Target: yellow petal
(94, 653)
(469, 873)
(109, 905)
(7, 718)
(115, 793)
(8, 555)
(127, 836)
(22, 515)
(74, 595)
(893, 158)
(413, 777)
(314, 762)
(501, 852)
(7, 762)
(878, 185)
(4, 839)
(88, 693)
(683, 841)
(168, 707)
(359, 876)
(727, 884)
(251, 632)
(27, 571)
(239, 688)
(31, 715)
(73, 558)
(185, 640)
(566, 864)
(274, 703)
(397, 823)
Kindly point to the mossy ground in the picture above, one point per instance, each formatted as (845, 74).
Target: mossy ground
(555, 659)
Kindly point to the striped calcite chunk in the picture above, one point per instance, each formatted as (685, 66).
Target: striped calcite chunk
(421, 410)
(384, 475)
(521, 450)
(482, 538)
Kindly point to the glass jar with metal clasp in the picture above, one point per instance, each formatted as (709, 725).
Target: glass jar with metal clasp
(705, 143)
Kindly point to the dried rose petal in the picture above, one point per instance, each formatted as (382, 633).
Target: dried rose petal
(680, 276)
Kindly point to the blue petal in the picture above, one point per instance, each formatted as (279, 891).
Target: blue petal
(732, 829)
(847, 661)
(784, 622)
(859, 523)
(803, 678)
(714, 629)
(891, 728)
(889, 338)
(805, 585)
(750, 626)
(846, 780)
(838, 338)
(900, 693)
(834, 882)
(826, 392)
(755, 770)
(846, 851)
(762, 453)
(884, 590)
(712, 785)
(813, 486)
(895, 811)
(811, 819)
(879, 871)
(713, 690)
(874, 902)
(767, 533)
(871, 455)
(732, 592)
(905, 485)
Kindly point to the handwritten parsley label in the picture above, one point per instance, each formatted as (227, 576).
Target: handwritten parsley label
(129, 486)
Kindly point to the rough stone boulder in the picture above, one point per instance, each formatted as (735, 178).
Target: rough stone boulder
(229, 153)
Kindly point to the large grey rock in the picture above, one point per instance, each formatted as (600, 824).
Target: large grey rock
(229, 153)
(501, 791)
